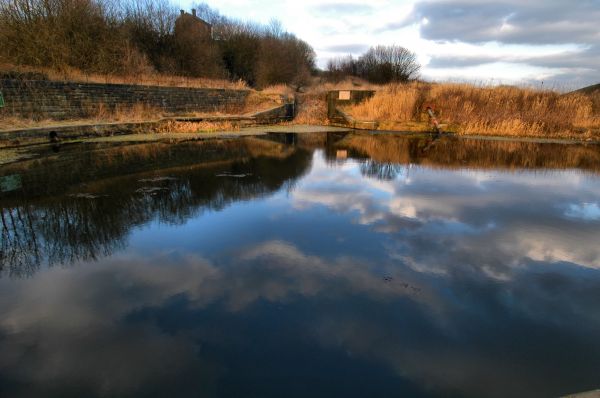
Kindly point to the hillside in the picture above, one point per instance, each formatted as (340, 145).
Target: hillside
(593, 89)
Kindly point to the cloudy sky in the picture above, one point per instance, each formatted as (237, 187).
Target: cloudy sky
(508, 41)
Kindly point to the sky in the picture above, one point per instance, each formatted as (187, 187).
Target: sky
(547, 43)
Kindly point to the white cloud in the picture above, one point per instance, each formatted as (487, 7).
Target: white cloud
(505, 35)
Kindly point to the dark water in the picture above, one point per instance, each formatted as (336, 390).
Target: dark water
(315, 265)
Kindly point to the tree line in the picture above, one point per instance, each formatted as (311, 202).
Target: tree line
(379, 65)
(140, 37)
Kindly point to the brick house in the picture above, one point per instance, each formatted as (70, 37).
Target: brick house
(191, 26)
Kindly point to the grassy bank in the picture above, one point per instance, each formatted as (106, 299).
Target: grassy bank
(147, 78)
(462, 108)
(472, 110)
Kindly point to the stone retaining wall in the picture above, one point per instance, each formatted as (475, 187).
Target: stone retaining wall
(40, 99)
(280, 114)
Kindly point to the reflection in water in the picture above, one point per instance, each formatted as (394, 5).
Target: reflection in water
(278, 267)
(381, 171)
(472, 153)
(88, 226)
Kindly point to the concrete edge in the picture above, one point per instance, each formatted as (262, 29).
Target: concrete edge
(356, 124)
(36, 135)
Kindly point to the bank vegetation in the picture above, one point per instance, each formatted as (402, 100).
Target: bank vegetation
(494, 110)
(137, 41)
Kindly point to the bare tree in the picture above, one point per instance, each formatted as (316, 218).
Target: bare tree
(381, 64)
(139, 36)
(342, 67)
(384, 64)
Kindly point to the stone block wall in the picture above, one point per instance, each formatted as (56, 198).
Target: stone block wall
(41, 99)
(275, 115)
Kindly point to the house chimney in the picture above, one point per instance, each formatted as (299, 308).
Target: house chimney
(193, 11)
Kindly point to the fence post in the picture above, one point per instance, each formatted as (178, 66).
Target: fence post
(433, 119)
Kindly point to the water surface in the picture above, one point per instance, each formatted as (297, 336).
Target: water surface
(303, 265)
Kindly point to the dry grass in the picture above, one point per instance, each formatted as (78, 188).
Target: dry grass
(312, 101)
(312, 109)
(102, 114)
(13, 123)
(261, 101)
(502, 110)
(463, 108)
(149, 79)
(279, 89)
(198, 127)
(142, 113)
(136, 113)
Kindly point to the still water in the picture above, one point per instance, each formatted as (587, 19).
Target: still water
(311, 265)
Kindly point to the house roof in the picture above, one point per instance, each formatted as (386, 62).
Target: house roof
(193, 15)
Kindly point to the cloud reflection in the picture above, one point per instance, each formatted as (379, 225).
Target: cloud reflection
(492, 221)
(100, 327)
(73, 326)
(473, 277)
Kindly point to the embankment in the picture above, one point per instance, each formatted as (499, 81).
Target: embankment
(41, 99)
(37, 109)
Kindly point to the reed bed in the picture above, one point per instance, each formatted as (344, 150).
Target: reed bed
(501, 110)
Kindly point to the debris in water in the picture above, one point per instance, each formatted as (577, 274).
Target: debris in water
(158, 179)
(230, 175)
(84, 196)
(151, 190)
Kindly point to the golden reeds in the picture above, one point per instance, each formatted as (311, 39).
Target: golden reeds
(469, 109)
